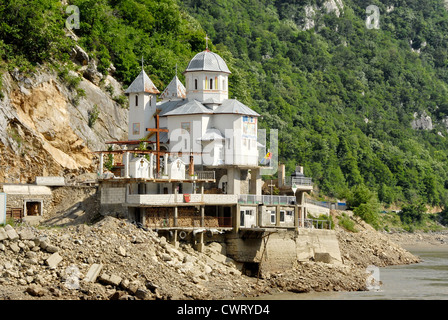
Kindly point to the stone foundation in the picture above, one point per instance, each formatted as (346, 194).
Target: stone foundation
(278, 250)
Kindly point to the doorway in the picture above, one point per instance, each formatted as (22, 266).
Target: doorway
(33, 208)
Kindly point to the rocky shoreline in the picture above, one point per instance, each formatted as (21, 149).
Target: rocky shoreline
(115, 260)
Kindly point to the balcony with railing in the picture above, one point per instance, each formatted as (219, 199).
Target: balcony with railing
(266, 199)
(299, 182)
(178, 199)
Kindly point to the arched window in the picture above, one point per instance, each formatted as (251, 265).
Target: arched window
(195, 84)
(216, 83)
(223, 84)
(211, 83)
(136, 100)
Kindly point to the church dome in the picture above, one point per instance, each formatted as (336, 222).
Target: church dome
(207, 61)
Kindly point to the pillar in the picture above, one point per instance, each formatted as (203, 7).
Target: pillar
(302, 217)
(202, 216)
(296, 216)
(200, 244)
(281, 175)
(126, 164)
(165, 165)
(151, 166)
(256, 182)
(175, 216)
(175, 243)
(101, 165)
(191, 166)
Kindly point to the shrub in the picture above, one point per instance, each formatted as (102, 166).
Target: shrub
(93, 115)
(369, 212)
(412, 214)
(347, 223)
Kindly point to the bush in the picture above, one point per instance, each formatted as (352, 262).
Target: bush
(93, 115)
(369, 212)
(358, 195)
(347, 223)
(412, 214)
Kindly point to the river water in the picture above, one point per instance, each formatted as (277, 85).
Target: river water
(427, 280)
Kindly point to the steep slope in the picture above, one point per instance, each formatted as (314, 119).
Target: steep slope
(44, 132)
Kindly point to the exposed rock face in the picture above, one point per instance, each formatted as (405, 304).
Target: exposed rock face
(43, 133)
(328, 6)
(423, 122)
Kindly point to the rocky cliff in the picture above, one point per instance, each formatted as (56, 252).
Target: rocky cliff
(48, 128)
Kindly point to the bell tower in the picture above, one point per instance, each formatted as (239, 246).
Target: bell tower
(142, 95)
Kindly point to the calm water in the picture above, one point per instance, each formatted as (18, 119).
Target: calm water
(427, 280)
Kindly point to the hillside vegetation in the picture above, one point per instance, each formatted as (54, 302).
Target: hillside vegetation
(355, 106)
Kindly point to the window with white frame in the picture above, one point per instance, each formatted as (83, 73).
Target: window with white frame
(273, 216)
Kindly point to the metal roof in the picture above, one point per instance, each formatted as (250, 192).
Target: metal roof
(142, 84)
(183, 107)
(175, 90)
(207, 61)
(233, 106)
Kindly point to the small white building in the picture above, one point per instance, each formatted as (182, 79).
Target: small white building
(139, 168)
(176, 170)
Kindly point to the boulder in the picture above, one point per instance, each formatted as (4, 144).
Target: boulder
(53, 260)
(93, 272)
(3, 234)
(11, 232)
(35, 290)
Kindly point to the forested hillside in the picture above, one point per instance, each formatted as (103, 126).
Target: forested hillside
(344, 96)
(355, 106)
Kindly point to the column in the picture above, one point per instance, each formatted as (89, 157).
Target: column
(202, 216)
(151, 166)
(256, 182)
(101, 165)
(126, 164)
(296, 216)
(175, 216)
(302, 217)
(165, 165)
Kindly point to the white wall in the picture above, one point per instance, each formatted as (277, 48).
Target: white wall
(141, 114)
(203, 91)
(186, 143)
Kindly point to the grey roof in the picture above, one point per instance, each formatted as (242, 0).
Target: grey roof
(233, 106)
(142, 84)
(183, 107)
(175, 90)
(207, 61)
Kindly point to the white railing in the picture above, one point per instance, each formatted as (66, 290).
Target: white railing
(265, 199)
